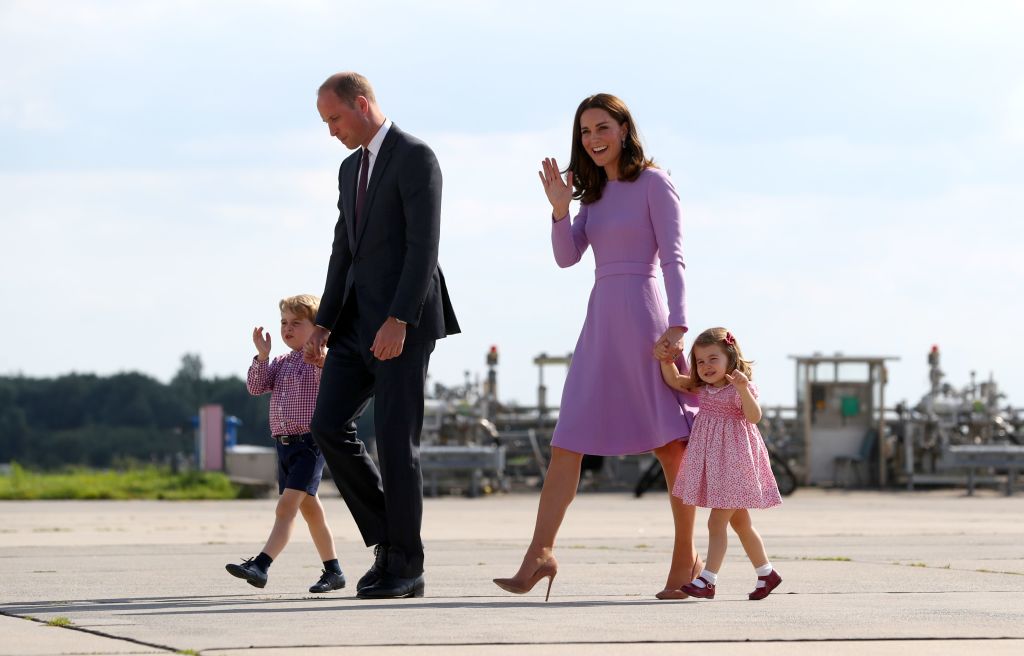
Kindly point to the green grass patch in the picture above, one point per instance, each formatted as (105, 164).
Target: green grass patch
(836, 559)
(59, 621)
(190, 652)
(137, 483)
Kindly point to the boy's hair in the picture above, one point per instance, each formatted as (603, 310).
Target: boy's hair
(721, 337)
(303, 305)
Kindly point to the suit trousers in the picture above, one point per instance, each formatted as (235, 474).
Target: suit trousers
(387, 504)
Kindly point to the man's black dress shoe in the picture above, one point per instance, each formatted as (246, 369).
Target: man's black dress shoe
(328, 581)
(376, 571)
(393, 587)
(248, 571)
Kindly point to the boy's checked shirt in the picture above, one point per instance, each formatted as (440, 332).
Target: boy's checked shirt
(293, 385)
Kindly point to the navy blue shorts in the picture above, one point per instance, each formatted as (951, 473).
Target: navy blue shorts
(299, 465)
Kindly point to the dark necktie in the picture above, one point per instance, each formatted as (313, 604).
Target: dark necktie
(364, 170)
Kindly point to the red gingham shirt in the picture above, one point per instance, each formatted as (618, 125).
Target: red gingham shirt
(293, 385)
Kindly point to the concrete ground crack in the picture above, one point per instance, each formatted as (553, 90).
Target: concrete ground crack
(72, 627)
(914, 639)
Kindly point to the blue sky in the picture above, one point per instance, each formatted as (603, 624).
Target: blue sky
(850, 173)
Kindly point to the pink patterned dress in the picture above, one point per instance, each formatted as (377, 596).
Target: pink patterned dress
(726, 464)
(614, 401)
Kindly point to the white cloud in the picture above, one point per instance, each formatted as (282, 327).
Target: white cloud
(38, 115)
(187, 261)
(1013, 116)
(848, 237)
(866, 276)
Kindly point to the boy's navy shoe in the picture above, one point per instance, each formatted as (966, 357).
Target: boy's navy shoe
(249, 571)
(393, 587)
(376, 571)
(328, 581)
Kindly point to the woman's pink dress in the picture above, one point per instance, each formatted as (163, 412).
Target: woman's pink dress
(614, 401)
(726, 463)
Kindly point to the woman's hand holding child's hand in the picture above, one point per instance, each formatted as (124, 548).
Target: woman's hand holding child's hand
(670, 345)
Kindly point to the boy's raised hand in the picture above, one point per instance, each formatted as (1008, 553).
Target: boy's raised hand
(738, 378)
(262, 343)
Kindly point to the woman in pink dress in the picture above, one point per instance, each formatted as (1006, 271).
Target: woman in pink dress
(614, 401)
(727, 467)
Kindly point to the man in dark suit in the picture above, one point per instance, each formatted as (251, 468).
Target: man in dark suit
(384, 305)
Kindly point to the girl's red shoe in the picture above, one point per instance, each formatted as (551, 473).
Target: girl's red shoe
(771, 582)
(707, 592)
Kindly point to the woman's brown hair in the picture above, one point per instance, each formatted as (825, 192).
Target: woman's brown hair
(588, 178)
(723, 338)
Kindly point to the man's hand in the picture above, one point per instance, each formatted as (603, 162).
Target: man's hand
(390, 340)
(262, 343)
(670, 345)
(315, 349)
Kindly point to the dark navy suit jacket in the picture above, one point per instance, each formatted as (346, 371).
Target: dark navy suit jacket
(388, 263)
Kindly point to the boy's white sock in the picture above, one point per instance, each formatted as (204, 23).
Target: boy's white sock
(707, 575)
(763, 570)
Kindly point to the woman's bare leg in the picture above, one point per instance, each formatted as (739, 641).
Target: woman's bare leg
(560, 483)
(684, 554)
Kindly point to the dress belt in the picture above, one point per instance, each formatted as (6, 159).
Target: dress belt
(626, 269)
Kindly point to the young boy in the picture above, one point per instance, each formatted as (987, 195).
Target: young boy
(293, 386)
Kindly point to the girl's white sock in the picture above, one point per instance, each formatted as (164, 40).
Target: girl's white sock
(763, 570)
(707, 575)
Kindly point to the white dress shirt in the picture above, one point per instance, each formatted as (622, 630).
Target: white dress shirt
(375, 145)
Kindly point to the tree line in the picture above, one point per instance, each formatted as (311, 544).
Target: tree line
(103, 421)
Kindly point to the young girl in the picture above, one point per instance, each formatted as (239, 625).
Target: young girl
(726, 466)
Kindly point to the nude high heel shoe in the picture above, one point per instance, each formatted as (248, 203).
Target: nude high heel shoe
(547, 568)
(677, 593)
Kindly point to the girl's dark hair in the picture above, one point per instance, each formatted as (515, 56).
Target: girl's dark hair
(721, 337)
(588, 178)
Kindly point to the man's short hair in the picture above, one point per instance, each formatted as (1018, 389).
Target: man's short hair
(304, 306)
(348, 86)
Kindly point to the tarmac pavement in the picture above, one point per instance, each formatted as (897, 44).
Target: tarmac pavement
(931, 572)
